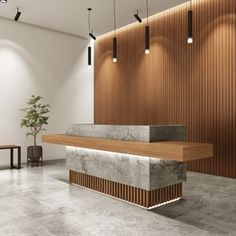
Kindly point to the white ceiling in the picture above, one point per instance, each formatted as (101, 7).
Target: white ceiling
(70, 16)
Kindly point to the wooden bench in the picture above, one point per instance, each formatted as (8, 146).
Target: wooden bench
(11, 148)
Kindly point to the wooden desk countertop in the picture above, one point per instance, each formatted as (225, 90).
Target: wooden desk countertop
(169, 150)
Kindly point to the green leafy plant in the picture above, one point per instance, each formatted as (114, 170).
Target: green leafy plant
(35, 117)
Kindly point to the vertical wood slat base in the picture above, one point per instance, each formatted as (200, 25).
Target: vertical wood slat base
(141, 197)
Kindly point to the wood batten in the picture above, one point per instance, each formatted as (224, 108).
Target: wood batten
(177, 151)
(144, 198)
(177, 83)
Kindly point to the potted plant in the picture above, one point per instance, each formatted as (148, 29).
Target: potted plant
(34, 119)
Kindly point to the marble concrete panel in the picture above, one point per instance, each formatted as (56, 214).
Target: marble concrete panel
(142, 133)
(137, 171)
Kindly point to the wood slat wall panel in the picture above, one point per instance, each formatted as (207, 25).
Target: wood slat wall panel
(177, 83)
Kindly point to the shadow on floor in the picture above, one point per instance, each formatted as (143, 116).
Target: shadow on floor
(61, 178)
(179, 208)
(204, 213)
(58, 162)
(5, 168)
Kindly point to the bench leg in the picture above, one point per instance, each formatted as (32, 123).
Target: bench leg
(19, 157)
(11, 157)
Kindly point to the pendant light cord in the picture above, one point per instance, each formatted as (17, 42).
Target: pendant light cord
(114, 12)
(191, 5)
(147, 11)
(89, 24)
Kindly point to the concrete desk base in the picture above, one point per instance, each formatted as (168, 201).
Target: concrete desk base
(141, 180)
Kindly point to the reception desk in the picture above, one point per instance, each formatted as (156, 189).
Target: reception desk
(144, 165)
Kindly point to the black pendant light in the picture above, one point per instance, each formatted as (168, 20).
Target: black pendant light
(190, 24)
(114, 42)
(89, 39)
(18, 14)
(114, 49)
(147, 32)
(137, 17)
(89, 55)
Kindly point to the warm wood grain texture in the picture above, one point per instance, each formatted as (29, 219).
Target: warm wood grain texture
(127, 193)
(178, 151)
(177, 83)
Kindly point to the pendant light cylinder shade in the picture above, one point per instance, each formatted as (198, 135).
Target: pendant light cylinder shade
(114, 49)
(190, 26)
(147, 40)
(89, 56)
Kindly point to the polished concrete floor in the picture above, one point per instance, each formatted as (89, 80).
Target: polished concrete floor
(39, 201)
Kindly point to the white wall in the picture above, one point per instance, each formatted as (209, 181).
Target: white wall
(46, 63)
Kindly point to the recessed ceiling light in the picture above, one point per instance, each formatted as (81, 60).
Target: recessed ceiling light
(3, 1)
